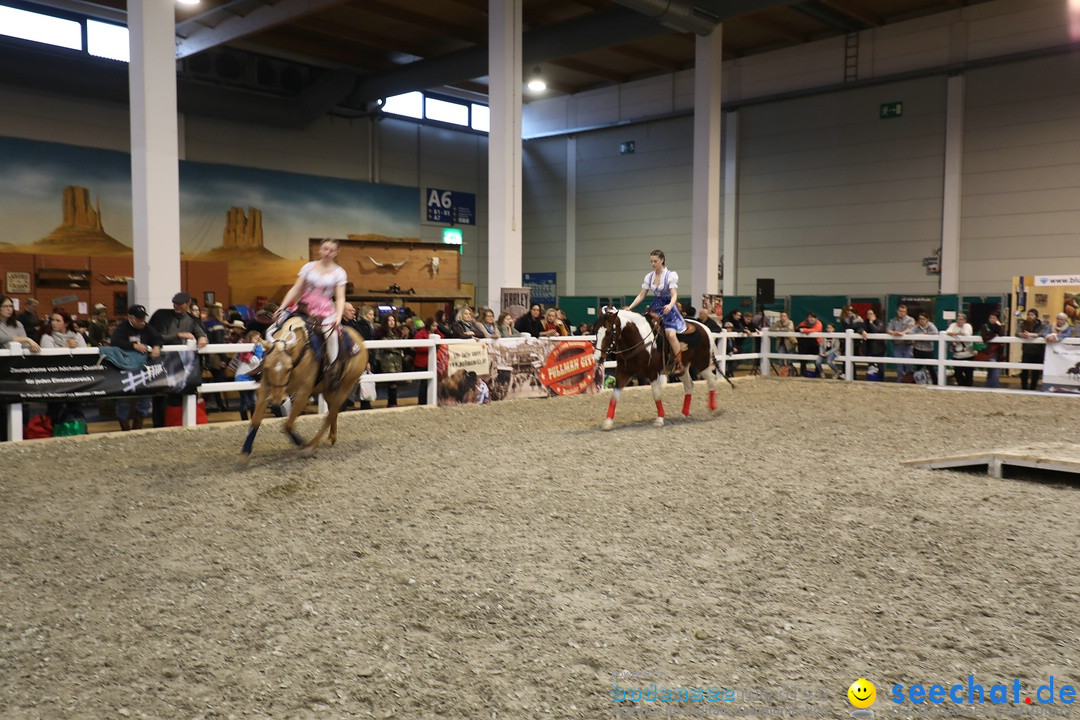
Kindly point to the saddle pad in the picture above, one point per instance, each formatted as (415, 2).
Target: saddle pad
(690, 338)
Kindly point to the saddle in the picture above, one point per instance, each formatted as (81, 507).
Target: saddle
(346, 347)
(690, 337)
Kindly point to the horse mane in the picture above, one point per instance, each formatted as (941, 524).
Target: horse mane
(293, 330)
(630, 318)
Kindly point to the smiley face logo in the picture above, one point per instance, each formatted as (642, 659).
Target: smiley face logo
(862, 693)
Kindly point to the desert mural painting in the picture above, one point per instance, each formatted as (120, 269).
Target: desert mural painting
(65, 199)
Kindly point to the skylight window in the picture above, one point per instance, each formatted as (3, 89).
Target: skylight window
(409, 104)
(108, 41)
(447, 112)
(40, 28)
(481, 118)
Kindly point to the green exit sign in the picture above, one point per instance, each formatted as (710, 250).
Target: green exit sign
(891, 110)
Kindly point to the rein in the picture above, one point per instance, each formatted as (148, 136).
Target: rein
(635, 346)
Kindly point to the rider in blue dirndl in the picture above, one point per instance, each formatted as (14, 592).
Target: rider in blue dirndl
(664, 286)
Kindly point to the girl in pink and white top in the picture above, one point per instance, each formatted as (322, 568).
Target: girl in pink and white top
(320, 285)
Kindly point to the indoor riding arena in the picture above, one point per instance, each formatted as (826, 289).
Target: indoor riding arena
(514, 561)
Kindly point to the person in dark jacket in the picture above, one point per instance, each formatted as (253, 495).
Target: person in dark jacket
(993, 352)
(1033, 328)
(135, 334)
(531, 322)
(176, 326)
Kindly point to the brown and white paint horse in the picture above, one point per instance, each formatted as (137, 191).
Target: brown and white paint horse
(637, 343)
(291, 369)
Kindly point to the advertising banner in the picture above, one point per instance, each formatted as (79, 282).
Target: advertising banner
(515, 301)
(68, 377)
(517, 368)
(542, 287)
(1061, 368)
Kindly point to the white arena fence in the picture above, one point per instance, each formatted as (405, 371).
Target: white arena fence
(764, 357)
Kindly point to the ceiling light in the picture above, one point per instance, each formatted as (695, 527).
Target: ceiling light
(188, 2)
(536, 82)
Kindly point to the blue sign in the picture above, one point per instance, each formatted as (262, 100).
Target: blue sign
(452, 208)
(541, 287)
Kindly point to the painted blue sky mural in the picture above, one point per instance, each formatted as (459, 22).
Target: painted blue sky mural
(294, 207)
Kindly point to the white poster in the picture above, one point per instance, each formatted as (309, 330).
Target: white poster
(1061, 369)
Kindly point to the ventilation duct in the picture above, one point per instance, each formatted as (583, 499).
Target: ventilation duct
(676, 14)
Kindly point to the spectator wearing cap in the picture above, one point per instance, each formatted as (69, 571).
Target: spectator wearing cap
(135, 334)
(177, 326)
(237, 330)
(98, 330)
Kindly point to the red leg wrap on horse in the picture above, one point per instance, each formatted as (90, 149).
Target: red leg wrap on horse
(686, 405)
(659, 408)
(611, 409)
(712, 399)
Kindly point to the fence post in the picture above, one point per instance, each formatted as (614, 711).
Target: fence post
(433, 368)
(849, 352)
(766, 350)
(941, 356)
(15, 421)
(724, 354)
(189, 414)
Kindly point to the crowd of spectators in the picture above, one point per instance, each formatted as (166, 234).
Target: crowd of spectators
(215, 324)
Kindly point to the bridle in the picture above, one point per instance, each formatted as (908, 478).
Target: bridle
(618, 331)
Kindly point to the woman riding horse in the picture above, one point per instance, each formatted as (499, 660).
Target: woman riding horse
(664, 285)
(290, 369)
(636, 345)
(320, 286)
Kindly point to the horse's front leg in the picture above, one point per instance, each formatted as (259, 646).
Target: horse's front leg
(657, 386)
(256, 420)
(609, 421)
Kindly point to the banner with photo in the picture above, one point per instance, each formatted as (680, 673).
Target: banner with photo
(1061, 368)
(70, 377)
(516, 368)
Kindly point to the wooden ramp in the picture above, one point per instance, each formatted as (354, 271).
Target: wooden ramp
(1056, 457)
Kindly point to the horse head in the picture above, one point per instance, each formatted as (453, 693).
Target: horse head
(607, 330)
(282, 355)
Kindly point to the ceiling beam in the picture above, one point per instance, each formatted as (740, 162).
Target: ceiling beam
(591, 32)
(342, 31)
(853, 11)
(772, 26)
(651, 58)
(257, 21)
(287, 40)
(590, 69)
(442, 27)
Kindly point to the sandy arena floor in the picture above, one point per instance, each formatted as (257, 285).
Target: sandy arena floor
(510, 561)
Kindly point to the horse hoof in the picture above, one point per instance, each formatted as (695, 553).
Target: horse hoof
(658, 422)
(608, 424)
(307, 452)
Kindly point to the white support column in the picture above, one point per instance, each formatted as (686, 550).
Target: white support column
(155, 174)
(705, 241)
(570, 286)
(731, 204)
(953, 189)
(504, 147)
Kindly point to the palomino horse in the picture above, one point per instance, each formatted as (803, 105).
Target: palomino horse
(638, 344)
(291, 369)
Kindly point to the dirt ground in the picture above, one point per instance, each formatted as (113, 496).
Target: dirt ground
(513, 561)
